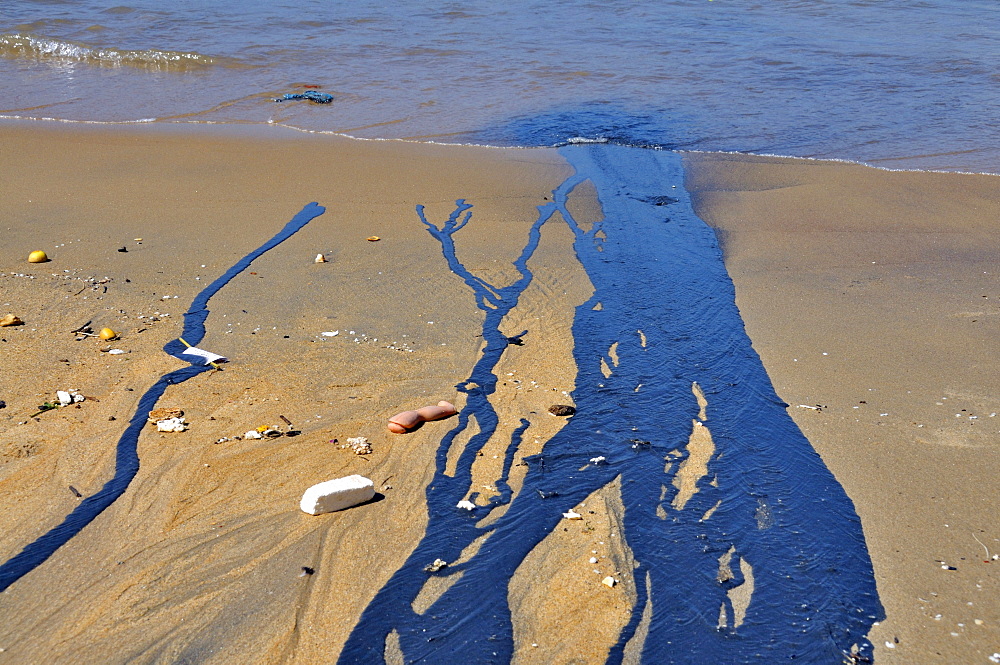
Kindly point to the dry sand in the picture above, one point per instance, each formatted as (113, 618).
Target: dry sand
(200, 559)
(875, 295)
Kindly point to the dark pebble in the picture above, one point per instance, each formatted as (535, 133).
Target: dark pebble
(3, 404)
(562, 410)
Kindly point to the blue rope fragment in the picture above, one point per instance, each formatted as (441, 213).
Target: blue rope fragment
(312, 95)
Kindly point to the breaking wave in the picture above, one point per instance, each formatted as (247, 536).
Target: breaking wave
(22, 46)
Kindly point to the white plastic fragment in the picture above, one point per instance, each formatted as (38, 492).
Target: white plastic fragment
(171, 425)
(337, 494)
(202, 353)
(253, 434)
(572, 515)
(598, 459)
(77, 397)
(116, 352)
(465, 503)
(64, 397)
(330, 333)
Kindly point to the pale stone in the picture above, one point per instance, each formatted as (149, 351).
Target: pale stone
(337, 494)
(171, 425)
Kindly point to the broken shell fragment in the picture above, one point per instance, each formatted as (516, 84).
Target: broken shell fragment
(572, 515)
(38, 256)
(562, 410)
(436, 566)
(107, 334)
(409, 420)
(319, 259)
(156, 415)
(10, 320)
(466, 504)
(359, 444)
(609, 581)
(373, 238)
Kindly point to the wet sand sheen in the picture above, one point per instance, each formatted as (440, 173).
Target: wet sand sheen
(209, 539)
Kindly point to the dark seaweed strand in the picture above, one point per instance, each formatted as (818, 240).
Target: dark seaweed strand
(656, 268)
(126, 458)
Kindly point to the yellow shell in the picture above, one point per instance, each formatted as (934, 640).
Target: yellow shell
(373, 239)
(107, 333)
(37, 257)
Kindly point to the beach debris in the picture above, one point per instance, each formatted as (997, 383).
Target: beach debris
(593, 559)
(10, 320)
(319, 259)
(562, 410)
(410, 420)
(306, 571)
(75, 492)
(572, 515)
(253, 434)
(600, 459)
(123, 249)
(156, 415)
(209, 357)
(466, 504)
(436, 566)
(639, 443)
(171, 425)
(269, 431)
(337, 494)
(609, 582)
(310, 95)
(107, 334)
(3, 404)
(813, 408)
(359, 444)
(38, 256)
(67, 397)
(115, 352)
(85, 329)
(372, 238)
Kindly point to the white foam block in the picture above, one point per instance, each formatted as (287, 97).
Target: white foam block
(337, 494)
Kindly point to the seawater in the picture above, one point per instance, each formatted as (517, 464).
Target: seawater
(894, 83)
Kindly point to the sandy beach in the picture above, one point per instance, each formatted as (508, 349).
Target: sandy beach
(871, 297)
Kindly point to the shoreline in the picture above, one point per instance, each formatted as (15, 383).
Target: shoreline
(185, 192)
(260, 130)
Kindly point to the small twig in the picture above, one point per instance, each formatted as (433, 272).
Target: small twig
(81, 291)
(83, 327)
(76, 492)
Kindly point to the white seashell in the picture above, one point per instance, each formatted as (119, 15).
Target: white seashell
(116, 352)
(319, 259)
(465, 503)
(609, 581)
(253, 434)
(78, 398)
(572, 515)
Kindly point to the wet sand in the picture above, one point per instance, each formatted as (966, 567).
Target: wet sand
(202, 558)
(875, 296)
